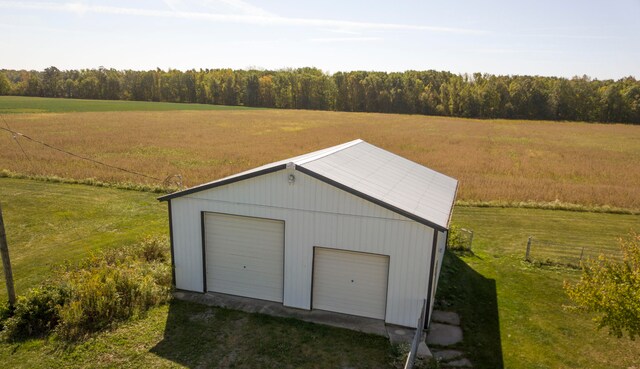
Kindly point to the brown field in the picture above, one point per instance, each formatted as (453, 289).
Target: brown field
(588, 164)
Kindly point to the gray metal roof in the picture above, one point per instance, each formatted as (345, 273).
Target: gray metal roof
(370, 172)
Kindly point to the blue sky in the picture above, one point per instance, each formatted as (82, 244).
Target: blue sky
(552, 38)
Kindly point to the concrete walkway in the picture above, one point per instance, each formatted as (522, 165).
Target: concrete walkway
(444, 332)
(249, 305)
(395, 334)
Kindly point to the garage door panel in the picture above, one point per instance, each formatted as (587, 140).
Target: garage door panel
(350, 282)
(244, 256)
(261, 291)
(238, 259)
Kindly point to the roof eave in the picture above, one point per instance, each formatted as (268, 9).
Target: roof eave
(453, 203)
(222, 182)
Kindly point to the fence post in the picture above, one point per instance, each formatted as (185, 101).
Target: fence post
(6, 263)
(581, 253)
(526, 257)
(471, 240)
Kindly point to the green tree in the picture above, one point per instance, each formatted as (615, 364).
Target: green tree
(70, 87)
(52, 82)
(5, 86)
(33, 84)
(611, 289)
(252, 92)
(611, 103)
(631, 97)
(266, 92)
(89, 88)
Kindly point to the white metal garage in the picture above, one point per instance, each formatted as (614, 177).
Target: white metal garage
(245, 256)
(300, 230)
(350, 282)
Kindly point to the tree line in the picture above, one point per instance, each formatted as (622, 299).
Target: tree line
(412, 92)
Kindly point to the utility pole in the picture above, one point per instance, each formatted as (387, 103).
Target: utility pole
(6, 263)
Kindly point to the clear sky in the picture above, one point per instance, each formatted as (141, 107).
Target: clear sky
(551, 38)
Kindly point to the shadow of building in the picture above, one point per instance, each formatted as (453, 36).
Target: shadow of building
(474, 297)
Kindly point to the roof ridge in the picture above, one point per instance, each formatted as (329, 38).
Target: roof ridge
(324, 153)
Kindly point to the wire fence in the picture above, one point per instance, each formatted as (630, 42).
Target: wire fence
(566, 253)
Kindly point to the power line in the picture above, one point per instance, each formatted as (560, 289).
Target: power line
(15, 138)
(75, 155)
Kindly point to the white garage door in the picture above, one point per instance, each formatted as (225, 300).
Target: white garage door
(244, 256)
(350, 282)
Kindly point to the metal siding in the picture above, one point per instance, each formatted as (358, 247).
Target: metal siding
(187, 244)
(441, 246)
(315, 213)
(440, 250)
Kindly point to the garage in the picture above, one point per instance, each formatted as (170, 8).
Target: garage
(350, 282)
(245, 256)
(351, 229)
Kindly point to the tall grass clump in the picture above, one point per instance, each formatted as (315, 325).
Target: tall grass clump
(34, 314)
(107, 288)
(458, 239)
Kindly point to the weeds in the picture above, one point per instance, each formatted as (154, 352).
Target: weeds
(107, 288)
(4, 173)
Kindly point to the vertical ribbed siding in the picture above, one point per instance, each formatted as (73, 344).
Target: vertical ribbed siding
(187, 244)
(442, 242)
(315, 214)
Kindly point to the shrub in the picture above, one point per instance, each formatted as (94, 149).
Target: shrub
(123, 283)
(115, 285)
(610, 289)
(153, 249)
(458, 240)
(35, 314)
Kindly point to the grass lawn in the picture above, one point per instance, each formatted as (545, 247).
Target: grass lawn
(184, 334)
(511, 311)
(48, 223)
(24, 104)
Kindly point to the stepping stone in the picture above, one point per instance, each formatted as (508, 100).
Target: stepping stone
(444, 334)
(447, 317)
(461, 363)
(446, 355)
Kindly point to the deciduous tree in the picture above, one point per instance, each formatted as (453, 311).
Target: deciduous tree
(611, 289)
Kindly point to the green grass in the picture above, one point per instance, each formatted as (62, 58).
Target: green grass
(511, 311)
(184, 334)
(23, 104)
(506, 229)
(48, 223)
(515, 309)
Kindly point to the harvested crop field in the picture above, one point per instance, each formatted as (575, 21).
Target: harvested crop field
(510, 161)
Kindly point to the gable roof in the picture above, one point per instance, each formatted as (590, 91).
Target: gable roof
(369, 172)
